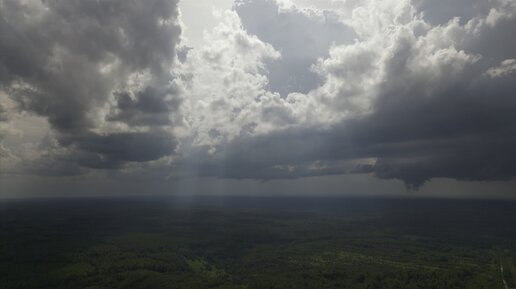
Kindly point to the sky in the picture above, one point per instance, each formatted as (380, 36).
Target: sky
(258, 97)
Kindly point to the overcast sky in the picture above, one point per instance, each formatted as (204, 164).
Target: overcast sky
(258, 97)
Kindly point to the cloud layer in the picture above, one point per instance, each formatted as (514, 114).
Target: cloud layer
(407, 90)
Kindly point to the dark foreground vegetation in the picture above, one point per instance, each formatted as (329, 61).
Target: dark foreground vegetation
(257, 243)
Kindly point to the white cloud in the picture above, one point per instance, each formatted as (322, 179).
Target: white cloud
(224, 83)
(507, 67)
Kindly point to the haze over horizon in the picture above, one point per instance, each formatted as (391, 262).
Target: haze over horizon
(258, 97)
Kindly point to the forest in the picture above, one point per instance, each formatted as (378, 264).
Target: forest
(257, 242)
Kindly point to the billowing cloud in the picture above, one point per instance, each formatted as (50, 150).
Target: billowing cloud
(225, 86)
(99, 72)
(407, 100)
(288, 89)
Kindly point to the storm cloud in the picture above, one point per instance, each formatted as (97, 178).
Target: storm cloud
(85, 64)
(407, 90)
(441, 106)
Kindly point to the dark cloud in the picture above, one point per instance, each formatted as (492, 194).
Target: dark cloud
(443, 124)
(68, 155)
(65, 60)
(285, 154)
(127, 146)
(52, 56)
(148, 107)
